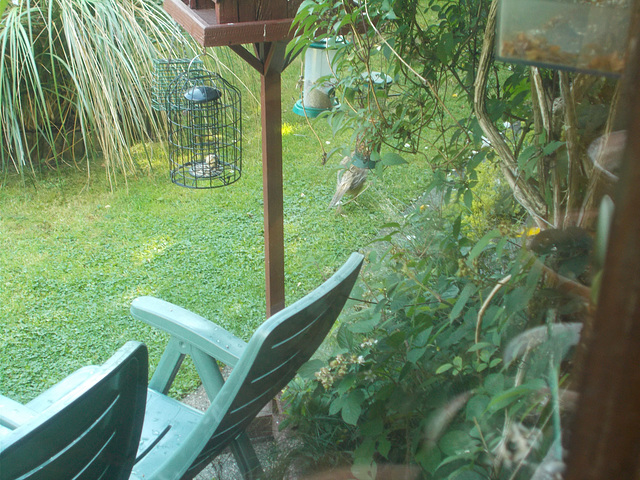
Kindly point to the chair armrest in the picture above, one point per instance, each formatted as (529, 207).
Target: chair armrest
(189, 327)
(14, 414)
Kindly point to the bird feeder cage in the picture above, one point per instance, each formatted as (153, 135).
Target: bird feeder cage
(577, 35)
(205, 130)
(317, 92)
(165, 71)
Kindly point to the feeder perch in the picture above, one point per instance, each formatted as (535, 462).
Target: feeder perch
(165, 71)
(317, 94)
(205, 130)
(575, 35)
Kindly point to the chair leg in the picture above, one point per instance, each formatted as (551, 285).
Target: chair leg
(246, 458)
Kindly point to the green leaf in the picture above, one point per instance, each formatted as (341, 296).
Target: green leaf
(450, 292)
(445, 47)
(479, 247)
(457, 362)
(509, 396)
(364, 452)
(308, 370)
(478, 346)
(422, 338)
(384, 447)
(390, 159)
(364, 470)
(337, 405)
(468, 290)
(494, 383)
(416, 354)
(552, 147)
(346, 383)
(443, 368)
(501, 244)
(476, 406)
(352, 407)
(467, 475)
(388, 225)
(456, 227)
(429, 458)
(454, 442)
(363, 326)
(526, 155)
(495, 362)
(467, 457)
(468, 198)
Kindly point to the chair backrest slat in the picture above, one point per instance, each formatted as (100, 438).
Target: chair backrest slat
(90, 433)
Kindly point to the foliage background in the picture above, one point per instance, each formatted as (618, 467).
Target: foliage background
(75, 253)
(452, 361)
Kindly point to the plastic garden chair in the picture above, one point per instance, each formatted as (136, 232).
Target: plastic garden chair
(85, 427)
(179, 441)
(61, 431)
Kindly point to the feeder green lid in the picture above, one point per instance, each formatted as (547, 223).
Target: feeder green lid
(321, 44)
(379, 79)
(324, 43)
(202, 93)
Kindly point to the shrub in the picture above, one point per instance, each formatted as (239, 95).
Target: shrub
(422, 372)
(74, 77)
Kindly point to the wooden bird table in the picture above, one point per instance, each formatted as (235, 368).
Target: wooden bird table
(265, 24)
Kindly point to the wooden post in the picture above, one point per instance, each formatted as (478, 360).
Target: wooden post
(266, 25)
(271, 103)
(605, 438)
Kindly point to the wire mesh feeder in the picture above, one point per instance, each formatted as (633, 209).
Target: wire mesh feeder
(205, 130)
(165, 71)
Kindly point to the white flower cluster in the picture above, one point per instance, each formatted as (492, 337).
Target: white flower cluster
(337, 369)
(369, 342)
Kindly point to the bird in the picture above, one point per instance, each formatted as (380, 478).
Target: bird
(567, 251)
(208, 168)
(211, 160)
(350, 180)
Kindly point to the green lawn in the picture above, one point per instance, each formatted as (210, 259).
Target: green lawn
(74, 254)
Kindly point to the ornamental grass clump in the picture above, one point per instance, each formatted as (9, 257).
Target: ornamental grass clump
(74, 79)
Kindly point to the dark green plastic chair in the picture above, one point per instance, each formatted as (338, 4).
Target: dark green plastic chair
(178, 441)
(86, 427)
(105, 405)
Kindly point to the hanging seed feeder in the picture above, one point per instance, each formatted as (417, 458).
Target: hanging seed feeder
(575, 35)
(205, 130)
(165, 71)
(317, 94)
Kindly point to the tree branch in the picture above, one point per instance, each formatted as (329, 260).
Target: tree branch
(573, 168)
(528, 197)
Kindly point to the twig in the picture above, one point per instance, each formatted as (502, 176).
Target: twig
(412, 70)
(571, 133)
(565, 284)
(485, 305)
(527, 196)
(507, 420)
